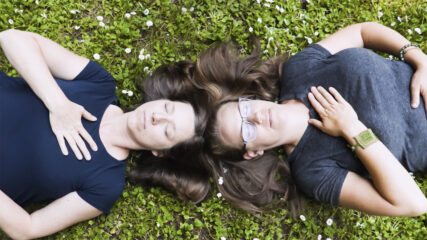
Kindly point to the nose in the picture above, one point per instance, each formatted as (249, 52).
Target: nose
(158, 118)
(255, 118)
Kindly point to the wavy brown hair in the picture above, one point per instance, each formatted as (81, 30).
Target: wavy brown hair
(253, 184)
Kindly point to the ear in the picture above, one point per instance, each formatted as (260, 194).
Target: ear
(157, 154)
(252, 154)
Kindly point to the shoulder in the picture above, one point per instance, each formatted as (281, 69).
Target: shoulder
(102, 188)
(95, 72)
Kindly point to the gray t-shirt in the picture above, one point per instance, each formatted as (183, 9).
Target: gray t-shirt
(378, 90)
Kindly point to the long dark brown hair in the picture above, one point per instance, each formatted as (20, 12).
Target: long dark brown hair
(181, 169)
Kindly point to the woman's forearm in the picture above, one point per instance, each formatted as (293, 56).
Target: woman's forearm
(14, 220)
(24, 53)
(379, 37)
(389, 177)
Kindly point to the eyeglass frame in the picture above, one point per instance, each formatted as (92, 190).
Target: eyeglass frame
(246, 122)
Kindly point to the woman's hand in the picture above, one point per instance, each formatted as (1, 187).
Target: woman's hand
(419, 87)
(65, 121)
(338, 117)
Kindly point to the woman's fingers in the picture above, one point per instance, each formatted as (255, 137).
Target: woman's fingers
(336, 95)
(316, 105)
(73, 146)
(88, 115)
(86, 136)
(415, 92)
(326, 95)
(316, 123)
(319, 97)
(61, 143)
(81, 145)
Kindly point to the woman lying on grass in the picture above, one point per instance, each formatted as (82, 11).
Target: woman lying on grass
(334, 94)
(39, 111)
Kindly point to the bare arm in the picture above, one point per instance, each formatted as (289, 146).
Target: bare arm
(60, 214)
(36, 58)
(378, 37)
(392, 192)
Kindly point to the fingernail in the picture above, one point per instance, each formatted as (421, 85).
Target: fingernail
(413, 105)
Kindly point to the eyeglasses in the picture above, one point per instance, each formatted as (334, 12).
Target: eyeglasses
(248, 128)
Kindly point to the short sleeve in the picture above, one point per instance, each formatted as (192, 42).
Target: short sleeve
(325, 181)
(102, 191)
(94, 72)
(300, 70)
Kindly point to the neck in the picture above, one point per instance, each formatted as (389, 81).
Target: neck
(295, 125)
(114, 131)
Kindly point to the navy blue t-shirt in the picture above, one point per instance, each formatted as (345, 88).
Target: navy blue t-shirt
(32, 166)
(378, 90)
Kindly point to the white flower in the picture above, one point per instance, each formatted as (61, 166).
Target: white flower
(406, 18)
(251, 29)
(270, 1)
(255, 239)
(380, 14)
(277, 8)
(392, 24)
(43, 15)
(410, 31)
(149, 23)
(390, 57)
(147, 56)
(329, 221)
(309, 40)
(132, 13)
(128, 50)
(96, 56)
(146, 69)
(316, 33)
(225, 170)
(130, 93)
(258, 1)
(222, 238)
(16, 10)
(37, 2)
(99, 18)
(142, 51)
(270, 39)
(281, 10)
(328, 239)
(77, 27)
(191, 9)
(219, 195)
(399, 19)
(302, 217)
(127, 15)
(417, 30)
(10, 21)
(308, 1)
(319, 237)
(101, 24)
(265, 51)
(124, 91)
(259, 20)
(141, 57)
(267, 4)
(286, 21)
(184, 9)
(146, 12)
(158, 224)
(73, 11)
(220, 180)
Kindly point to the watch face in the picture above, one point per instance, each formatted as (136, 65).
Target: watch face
(366, 138)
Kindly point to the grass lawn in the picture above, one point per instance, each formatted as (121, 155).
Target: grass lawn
(130, 38)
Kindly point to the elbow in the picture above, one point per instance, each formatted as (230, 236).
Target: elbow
(416, 209)
(7, 33)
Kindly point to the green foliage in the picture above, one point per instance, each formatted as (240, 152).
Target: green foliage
(181, 30)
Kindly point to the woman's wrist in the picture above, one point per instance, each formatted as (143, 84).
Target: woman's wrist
(353, 130)
(416, 58)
